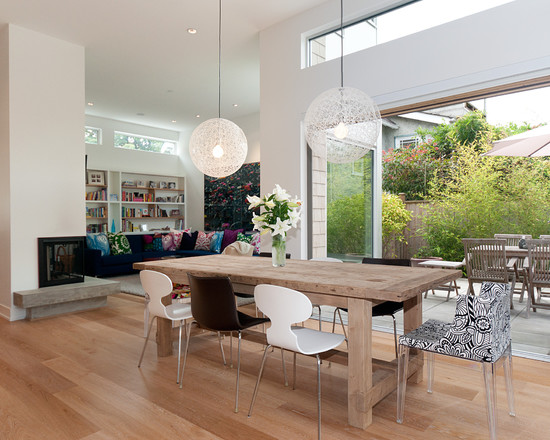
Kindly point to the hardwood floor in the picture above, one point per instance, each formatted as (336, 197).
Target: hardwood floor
(76, 377)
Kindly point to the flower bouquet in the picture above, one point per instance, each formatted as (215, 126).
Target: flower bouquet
(279, 214)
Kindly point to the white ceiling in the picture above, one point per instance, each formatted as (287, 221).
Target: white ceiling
(141, 59)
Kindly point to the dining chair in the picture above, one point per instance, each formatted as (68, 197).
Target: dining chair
(480, 332)
(485, 260)
(213, 307)
(286, 307)
(385, 308)
(157, 285)
(514, 240)
(537, 272)
(329, 260)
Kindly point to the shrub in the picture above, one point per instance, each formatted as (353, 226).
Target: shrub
(394, 223)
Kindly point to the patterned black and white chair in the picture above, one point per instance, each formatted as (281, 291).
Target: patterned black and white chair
(480, 332)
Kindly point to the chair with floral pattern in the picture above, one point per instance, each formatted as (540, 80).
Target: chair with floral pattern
(480, 332)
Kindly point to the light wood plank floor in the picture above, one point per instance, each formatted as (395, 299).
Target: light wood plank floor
(76, 377)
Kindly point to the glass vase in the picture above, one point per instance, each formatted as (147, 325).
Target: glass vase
(278, 251)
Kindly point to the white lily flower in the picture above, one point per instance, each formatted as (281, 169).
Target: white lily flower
(280, 227)
(294, 217)
(254, 201)
(269, 204)
(280, 194)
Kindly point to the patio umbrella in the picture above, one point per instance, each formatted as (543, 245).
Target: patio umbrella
(531, 143)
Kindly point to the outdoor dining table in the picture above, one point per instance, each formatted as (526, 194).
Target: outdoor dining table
(353, 286)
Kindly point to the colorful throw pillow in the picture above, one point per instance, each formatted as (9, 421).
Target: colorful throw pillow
(229, 236)
(147, 243)
(243, 237)
(157, 242)
(176, 238)
(203, 241)
(99, 242)
(168, 243)
(188, 240)
(216, 243)
(255, 242)
(119, 243)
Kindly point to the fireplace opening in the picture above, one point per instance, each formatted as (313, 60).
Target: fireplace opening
(60, 260)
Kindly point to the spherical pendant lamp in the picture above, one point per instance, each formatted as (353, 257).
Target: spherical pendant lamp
(218, 147)
(342, 124)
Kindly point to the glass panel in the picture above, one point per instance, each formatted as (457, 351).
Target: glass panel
(349, 209)
(142, 143)
(92, 135)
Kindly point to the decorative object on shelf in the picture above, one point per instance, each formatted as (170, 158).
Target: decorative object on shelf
(280, 213)
(218, 147)
(342, 124)
(128, 183)
(113, 227)
(152, 184)
(140, 183)
(113, 197)
(163, 185)
(171, 185)
(96, 178)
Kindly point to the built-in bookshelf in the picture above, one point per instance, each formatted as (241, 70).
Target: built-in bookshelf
(134, 202)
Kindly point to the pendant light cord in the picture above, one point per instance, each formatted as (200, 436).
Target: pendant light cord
(220, 59)
(341, 43)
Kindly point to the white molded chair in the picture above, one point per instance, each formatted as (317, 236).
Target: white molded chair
(158, 285)
(285, 307)
(480, 332)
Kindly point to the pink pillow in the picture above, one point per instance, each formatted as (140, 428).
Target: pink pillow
(255, 242)
(176, 238)
(203, 241)
(168, 243)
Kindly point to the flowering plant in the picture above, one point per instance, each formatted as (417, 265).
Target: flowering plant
(280, 212)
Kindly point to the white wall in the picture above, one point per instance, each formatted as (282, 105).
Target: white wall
(498, 46)
(45, 149)
(107, 157)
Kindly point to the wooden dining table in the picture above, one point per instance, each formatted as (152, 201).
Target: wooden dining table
(356, 287)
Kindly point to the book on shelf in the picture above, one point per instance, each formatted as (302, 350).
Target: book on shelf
(97, 195)
(96, 228)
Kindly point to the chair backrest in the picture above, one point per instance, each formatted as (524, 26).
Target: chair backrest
(538, 253)
(387, 261)
(328, 259)
(156, 285)
(213, 303)
(545, 237)
(513, 239)
(485, 259)
(239, 248)
(481, 327)
(283, 307)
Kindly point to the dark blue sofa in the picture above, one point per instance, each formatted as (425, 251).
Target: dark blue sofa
(98, 266)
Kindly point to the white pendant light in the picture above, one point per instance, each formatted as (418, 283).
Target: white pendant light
(342, 124)
(218, 147)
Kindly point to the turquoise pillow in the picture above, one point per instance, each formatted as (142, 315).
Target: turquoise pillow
(99, 242)
(216, 242)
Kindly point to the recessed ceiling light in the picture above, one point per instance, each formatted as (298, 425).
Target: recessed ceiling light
(91, 104)
(197, 116)
(173, 120)
(191, 31)
(235, 105)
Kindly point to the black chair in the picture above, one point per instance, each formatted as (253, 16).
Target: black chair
(386, 308)
(213, 307)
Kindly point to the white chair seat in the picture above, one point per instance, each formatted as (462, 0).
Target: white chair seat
(313, 341)
(177, 311)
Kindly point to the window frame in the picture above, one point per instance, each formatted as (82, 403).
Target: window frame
(99, 135)
(151, 138)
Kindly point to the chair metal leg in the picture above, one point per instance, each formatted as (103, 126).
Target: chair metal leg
(509, 380)
(318, 307)
(258, 380)
(146, 340)
(294, 373)
(490, 395)
(187, 336)
(221, 348)
(402, 371)
(238, 375)
(318, 397)
(284, 366)
(179, 352)
(231, 350)
(337, 310)
(431, 363)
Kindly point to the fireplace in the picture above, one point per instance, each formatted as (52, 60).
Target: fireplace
(60, 260)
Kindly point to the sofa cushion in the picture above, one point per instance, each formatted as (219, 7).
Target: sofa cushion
(168, 242)
(177, 237)
(216, 243)
(229, 236)
(99, 242)
(136, 243)
(157, 242)
(203, 241)
(147, 243)
(111, 260)
(119, 243)
(188, 241)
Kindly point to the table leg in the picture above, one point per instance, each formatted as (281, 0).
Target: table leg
(412, 318)
(359, 363)
(164, 337)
